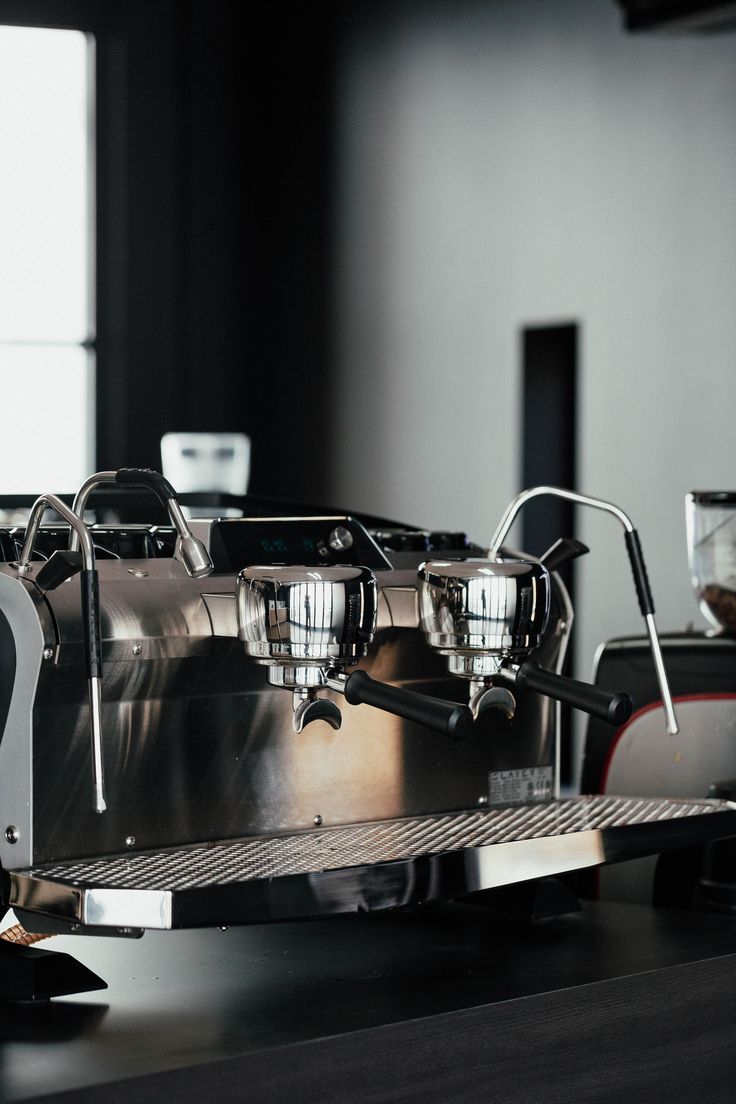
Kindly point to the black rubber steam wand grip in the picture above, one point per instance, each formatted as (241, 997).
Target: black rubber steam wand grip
(91, 619)
(146, 477)
(614, 708)
(639, 571)
(447, 718)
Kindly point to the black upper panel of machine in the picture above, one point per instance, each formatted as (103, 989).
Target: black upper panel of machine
(237, 542)
(134, 526)
(111, 542)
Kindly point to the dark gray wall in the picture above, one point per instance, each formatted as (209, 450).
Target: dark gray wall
(214, 233)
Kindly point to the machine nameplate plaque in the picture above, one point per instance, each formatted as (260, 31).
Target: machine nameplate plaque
(524, 785)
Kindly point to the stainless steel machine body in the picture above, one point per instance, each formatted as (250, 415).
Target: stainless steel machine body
(217, 811)
(197, 745)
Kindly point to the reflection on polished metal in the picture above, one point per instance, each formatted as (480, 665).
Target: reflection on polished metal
(482, 614)
(309, 625)
(483, 697)
(361, 866)
(478, 610)
(306, 616)
(633, 546)
(308, 709)
(189, 551)
(304, 623)
(95, 712)
(91, 621)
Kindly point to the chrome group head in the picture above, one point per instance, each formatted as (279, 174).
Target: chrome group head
(306, 618)
(483, 608)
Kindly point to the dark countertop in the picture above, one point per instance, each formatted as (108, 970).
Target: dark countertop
(452, 1002)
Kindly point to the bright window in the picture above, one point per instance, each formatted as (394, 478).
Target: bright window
(46, 249)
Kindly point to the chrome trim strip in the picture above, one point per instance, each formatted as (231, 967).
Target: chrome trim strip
(141, 908)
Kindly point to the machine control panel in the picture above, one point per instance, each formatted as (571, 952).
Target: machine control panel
(234, 543)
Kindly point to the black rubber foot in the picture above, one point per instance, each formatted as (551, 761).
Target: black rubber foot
(36, 974)
(540, 899)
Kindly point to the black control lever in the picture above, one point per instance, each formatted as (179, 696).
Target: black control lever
(447, 718)
(614, 708)
(60, 566)
(563, 551)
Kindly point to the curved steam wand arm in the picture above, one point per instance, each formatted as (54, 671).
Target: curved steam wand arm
(189, 551)
(636, 560)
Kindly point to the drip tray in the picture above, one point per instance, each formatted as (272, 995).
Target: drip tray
(361, 867)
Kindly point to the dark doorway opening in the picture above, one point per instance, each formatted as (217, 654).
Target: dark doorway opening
(549, 457)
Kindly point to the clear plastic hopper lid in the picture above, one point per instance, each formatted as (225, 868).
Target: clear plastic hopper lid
(711, 545)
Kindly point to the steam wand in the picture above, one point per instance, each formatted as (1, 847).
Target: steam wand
(636, 559)
(58, 568)
(188, 550)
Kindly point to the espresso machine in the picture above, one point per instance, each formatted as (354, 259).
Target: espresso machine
(278, 716)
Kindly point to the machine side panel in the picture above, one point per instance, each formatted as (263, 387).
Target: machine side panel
(16, 771)
(8, 662)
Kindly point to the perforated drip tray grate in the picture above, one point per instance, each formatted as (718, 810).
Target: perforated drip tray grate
(375, 865)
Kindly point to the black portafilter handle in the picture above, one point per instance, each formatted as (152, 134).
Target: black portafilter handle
(447, 718)
(614, 708)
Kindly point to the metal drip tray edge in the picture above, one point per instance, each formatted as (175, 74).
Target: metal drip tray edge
(362, 867)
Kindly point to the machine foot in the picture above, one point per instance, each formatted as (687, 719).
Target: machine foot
(36, 974)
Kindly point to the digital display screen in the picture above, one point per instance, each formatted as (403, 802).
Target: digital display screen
(277, 546)
(240, 542)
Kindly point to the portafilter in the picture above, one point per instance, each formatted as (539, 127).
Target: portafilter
(486, 615)
(309, 626)
(511, 588)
